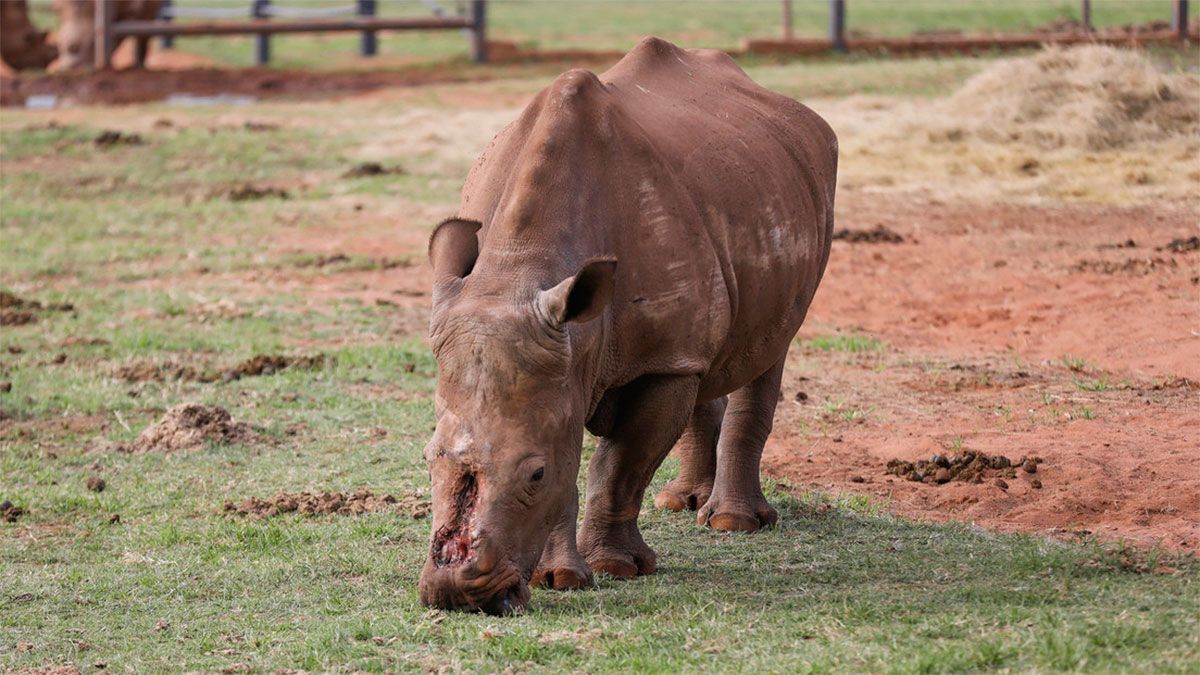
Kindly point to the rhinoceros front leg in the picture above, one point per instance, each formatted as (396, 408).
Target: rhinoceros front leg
(651, 414)
(561, 567)
(737, 501)
(697, 450)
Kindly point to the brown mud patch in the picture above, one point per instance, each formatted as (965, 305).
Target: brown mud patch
(368, 169)
(9, 512)
(361, 501)
(109, 138)
(876, 235)
(144, 370)
(18, 311)
(190, 425)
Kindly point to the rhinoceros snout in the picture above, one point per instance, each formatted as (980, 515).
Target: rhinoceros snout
(466, 588)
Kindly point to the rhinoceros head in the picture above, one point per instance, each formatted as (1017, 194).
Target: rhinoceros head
(504, 456)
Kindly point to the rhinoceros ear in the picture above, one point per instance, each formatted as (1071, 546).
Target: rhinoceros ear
(581, 297)
(453, 248)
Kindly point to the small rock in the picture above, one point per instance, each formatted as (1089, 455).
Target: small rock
(96, 484)
(857, 479)
(1035, 484)
(5, 387)
(942, 476)
(940, 460)
(801, 396)
(1029, 466)
(1001, 483)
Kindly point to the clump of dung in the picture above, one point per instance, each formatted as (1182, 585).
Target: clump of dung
(968, 466)
(1089, 97)
(330, 503)
(188, 426)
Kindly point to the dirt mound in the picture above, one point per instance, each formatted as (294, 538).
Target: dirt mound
(109, 138)
(1184, 245)
(373, 169)
(18, 311)
(330, 503)
(1136, 266)
(172, 371)
(248, 192)
(10, 512)
(269, 364)
(144, 370)
(967, 466)
(188, 426)
(1089, 97)
(879, 234)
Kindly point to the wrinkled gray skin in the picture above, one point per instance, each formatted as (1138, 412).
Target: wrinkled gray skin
(633, 255)
(76, 34)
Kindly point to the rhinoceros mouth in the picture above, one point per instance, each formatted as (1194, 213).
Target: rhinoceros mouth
(453, 544)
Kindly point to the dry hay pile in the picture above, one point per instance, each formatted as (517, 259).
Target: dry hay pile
(1090, 97)
(1090, 123)
(188, 426)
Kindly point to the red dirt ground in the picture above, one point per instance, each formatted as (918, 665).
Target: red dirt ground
(979, 307)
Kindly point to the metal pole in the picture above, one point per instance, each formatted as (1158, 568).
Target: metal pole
(368, 45)
(262, 41)
(787, 19)
(479, 31)
(837, 25)
(103, 35)
(165, 14)
(1085, 12)
(1179, 19)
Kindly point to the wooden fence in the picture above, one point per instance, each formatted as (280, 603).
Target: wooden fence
(299, 20)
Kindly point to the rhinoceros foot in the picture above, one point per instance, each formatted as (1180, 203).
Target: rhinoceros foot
(618, 550)
(680, 494)
(750, 513)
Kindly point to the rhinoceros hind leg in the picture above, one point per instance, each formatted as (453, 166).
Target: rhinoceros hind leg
(737, 502)
(650, 415)
(697, 451)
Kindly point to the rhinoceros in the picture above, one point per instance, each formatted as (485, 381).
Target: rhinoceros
(632, 256)
(22, 45)
(77, 28)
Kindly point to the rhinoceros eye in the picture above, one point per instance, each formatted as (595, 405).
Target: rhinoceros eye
(537, 475)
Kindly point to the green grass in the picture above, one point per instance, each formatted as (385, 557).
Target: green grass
(850, 344)
(133, 238)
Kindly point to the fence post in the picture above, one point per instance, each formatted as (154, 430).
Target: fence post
(837, 25)
(479, 31)
(103, 35)
(262, 42)
(368, 45)
(1179, 19)
(787, 19)
(1085, 13)
(165, 14)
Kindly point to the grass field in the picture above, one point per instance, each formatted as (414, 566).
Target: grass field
(615, 24)
(162, 267)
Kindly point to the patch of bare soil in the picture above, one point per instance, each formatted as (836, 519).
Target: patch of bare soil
(999, 346)
(188, 426)
(330, 503)
(109, 138)
(366, 169)
(143, 370)
(876, 235)
(249, 192)
(18, 311)
(9, 512)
